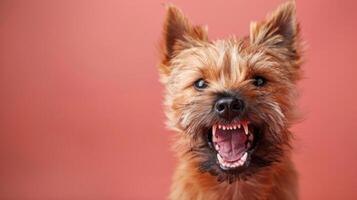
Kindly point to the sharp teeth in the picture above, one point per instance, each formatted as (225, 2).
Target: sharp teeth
(214, 130)
(220, 159)
(244, 158)
(235, 164)
(245, 126)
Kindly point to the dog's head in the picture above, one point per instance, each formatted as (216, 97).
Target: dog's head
(231, 100)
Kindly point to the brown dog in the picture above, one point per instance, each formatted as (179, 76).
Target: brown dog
(232, 103)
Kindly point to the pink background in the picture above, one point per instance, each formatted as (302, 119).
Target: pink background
(80, 102)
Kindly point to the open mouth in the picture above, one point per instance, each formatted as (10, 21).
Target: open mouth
(233, 143)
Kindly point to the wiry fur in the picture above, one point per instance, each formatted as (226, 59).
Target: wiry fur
(272, 50)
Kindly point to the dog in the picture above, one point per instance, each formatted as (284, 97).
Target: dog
(232, 102)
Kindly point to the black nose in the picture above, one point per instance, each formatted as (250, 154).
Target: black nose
(229, 107)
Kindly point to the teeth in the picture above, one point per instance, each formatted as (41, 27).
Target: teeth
(220, 159)
(237, 125)
(245, 126)
(244, 157)
(235, 164)
(214, 130)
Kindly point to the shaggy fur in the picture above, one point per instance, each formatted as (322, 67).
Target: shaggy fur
(272, 50)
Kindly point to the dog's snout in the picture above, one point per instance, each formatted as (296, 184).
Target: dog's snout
(228, 107)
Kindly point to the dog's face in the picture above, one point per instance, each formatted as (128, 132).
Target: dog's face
(231, 100)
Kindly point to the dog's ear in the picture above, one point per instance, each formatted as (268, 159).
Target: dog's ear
(179, 34)
(279, 30)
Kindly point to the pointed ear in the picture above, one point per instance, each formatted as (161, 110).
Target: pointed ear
(178, 33)
(279, 30)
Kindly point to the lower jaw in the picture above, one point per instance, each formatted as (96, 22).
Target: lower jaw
(229, 165)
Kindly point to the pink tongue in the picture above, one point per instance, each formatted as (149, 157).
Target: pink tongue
(231, 144)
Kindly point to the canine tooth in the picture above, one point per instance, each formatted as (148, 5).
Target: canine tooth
(214, 127)
(220, 159)
(244, 157)
(245, 126)
(217, 147)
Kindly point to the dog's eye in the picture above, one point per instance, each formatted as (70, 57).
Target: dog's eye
(259, 81)
(200, 84)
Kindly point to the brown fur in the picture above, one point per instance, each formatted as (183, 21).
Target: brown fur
(272, 50)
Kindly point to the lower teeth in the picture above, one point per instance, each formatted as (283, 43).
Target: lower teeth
(237, 163)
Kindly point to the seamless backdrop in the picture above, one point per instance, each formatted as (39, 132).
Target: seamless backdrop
(80, 102)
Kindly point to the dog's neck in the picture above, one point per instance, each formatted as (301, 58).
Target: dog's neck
(269, 183)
